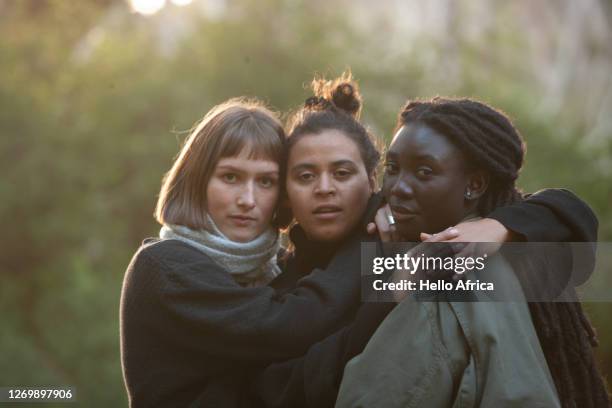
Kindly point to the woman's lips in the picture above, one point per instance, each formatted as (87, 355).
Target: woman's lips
(327, 212)
(403, 214)
(242, 220)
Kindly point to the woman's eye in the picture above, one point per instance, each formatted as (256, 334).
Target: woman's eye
(342, 173)
(391, 168)
(306, 177)
(229, 178)
(267, 182)
(424, 172)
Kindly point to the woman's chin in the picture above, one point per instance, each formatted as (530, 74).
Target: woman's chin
(409, 233)
(329, 234)
(241, 236)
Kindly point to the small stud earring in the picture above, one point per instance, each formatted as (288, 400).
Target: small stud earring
(468, 194)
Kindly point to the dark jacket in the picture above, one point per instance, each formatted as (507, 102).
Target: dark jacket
(444, 354)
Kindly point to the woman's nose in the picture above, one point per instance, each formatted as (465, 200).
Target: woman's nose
(325, 185)
(246, 199)
(401, 188)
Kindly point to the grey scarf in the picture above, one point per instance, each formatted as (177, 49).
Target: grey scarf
(250, 263)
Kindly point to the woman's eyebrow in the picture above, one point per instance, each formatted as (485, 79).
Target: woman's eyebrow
(311, 166)
(303, 166)
(426, 156)
(229, 167)
(343, 162)
(269, 173)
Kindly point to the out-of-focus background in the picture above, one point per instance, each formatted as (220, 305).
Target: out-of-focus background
(96, 97)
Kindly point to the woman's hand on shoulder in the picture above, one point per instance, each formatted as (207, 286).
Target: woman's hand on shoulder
(477, 237)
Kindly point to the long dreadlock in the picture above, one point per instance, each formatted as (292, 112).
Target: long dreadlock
(489, 139)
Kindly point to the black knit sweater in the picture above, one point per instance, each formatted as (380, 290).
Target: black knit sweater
(189, 332)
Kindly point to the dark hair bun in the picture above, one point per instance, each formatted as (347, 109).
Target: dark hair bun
(342, 93)
(345, 97)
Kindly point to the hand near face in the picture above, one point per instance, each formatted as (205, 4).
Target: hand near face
(469, 239)
(382, 225)
(388, 232)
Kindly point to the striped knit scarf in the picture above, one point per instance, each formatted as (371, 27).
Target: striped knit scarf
(250, 263)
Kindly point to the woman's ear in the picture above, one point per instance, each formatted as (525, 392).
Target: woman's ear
(478, 181)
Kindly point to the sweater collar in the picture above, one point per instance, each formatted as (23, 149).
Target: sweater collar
(310, 254)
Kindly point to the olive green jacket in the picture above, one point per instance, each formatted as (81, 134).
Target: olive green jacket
(454, 354)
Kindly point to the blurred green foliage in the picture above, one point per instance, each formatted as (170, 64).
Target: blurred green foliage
(93, 110)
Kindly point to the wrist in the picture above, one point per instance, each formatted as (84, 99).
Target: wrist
(505, 234)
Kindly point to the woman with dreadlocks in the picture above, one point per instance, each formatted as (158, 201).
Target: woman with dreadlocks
(453, 160)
